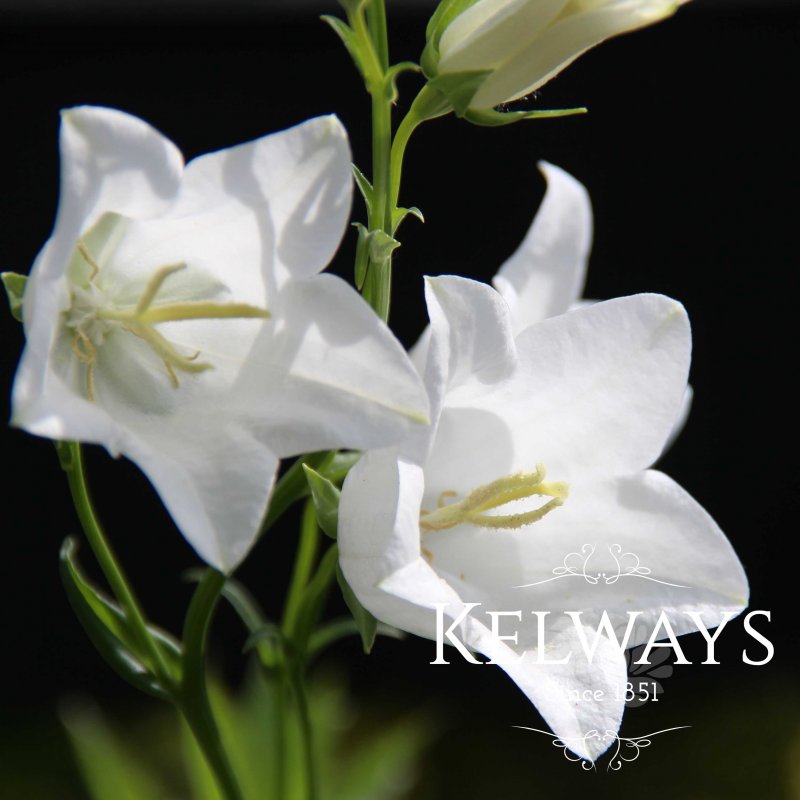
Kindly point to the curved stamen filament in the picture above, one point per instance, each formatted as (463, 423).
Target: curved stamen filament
(493, 495)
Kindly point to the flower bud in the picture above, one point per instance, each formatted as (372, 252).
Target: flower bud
(481, 53)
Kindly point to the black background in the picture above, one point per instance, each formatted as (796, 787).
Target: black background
(689, 154)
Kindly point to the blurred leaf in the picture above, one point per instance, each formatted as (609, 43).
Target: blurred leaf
(109, 771)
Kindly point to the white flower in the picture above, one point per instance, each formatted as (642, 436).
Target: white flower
(176, 316)
(540, 445)
(545, 275)
(505, 49)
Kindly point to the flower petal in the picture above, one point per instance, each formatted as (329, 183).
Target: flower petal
(596, 393)
(544, 56)
(297, 184)
(482, 36)
(213, 477)
(112, 161)
(380, 557)
(329, 373)
(545, 275)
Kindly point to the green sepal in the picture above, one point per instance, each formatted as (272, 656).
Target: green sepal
(326, 501)
(392, 74)
(362, 256)
(460, 87)
(365, 187)
(354, 45)
(381, 246)
(366, 623)
(492, 119)
(399, 214)
(14, 284)
(108, 628)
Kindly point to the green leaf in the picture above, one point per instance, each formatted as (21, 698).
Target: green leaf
(326, 500)
(365, 187)
(341, 463)
(399, 214)
(14, 284)
(367, 624)
(492, 119)
(460, 87)
(110, 632)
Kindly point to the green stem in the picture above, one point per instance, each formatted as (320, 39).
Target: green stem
(428, 104)
(193, 699)
(376, 17)
(306, 731)
(303, 567)
(72, 462)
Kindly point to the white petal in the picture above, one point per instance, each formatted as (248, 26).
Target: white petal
(296, 183)
(379, 533)
(112, 161)
(561, 43)
(213, 477)
(471, 323)
(545, 275)
(329, 373)
(634, 544)
(482, 36)
(595, 394)
(380, 556)
(581, 701)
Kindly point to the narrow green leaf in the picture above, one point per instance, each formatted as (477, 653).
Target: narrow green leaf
(365, 187)
(14, 284)
(399, 214)
(492, 119)
(367, 624)
(340, 465)
(326, 500)
(108, 628)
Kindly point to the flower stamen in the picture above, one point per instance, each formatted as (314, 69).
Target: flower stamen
(493, 495)
(140, 320)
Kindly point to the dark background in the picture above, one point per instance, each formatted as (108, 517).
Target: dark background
(690, 156)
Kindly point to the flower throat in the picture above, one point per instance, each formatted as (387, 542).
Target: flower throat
(92, 316)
